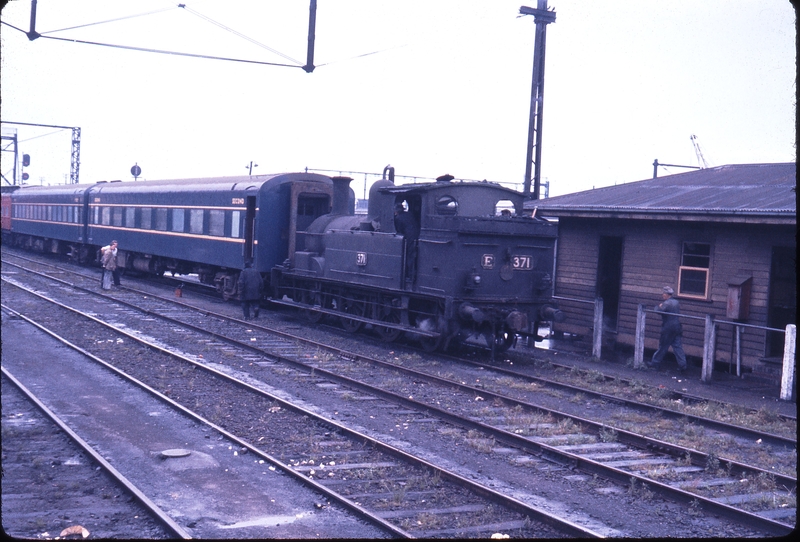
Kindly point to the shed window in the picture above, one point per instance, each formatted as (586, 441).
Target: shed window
(694, 272)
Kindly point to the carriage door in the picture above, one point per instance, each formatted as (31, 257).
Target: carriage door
(609, 275)
(249, 227)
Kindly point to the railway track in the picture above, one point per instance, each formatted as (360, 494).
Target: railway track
(697, 471)
(51, 477)
(390, 487)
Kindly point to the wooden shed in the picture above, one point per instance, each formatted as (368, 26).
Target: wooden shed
(724, 238)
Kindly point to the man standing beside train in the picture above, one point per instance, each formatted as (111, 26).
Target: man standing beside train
(109, 261)
(250, 284)
(405, 225)
(671, 331)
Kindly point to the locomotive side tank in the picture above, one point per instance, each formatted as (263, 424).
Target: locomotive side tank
(479, 271)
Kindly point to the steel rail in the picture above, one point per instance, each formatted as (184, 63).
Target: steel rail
(143, 499)
(572, 528)
(739, 430)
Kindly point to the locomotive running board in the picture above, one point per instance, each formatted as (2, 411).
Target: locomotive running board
(401, 327)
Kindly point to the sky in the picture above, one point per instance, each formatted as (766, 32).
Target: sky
(429, 87)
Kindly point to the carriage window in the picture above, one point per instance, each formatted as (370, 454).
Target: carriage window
(216, 222)
(130, 217)
(446, 205)
(693, 274)
(195, 221)
(161, 219)
(236, 223)
(49, 213)
(106, 221)
(117, 213)
(146, 218)
(177, 219)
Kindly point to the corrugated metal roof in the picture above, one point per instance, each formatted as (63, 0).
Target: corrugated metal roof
(765, 190)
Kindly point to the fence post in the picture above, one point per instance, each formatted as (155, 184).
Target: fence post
(638, 349)
(738, 351)
(709, 348)
(789, 351)
(597, 335)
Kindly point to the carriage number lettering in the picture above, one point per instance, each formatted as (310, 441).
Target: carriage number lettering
(522, 262)
(237, 201)
(361, 258)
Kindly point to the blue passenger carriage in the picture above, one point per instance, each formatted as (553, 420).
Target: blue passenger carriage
(49, 219)
(205, 226)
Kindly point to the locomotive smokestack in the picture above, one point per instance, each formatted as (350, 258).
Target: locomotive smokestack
(341, 195)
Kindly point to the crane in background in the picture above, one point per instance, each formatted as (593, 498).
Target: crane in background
(701, 160)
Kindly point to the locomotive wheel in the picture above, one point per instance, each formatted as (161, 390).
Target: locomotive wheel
(389, 334)
(356, 308)
(313, 299)
(431, 344)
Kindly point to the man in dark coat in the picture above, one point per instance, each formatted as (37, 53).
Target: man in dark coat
(250, 284)
(407, 226)
(671, 330)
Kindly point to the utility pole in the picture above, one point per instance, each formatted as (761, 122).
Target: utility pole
(542, 17)
(312, 26)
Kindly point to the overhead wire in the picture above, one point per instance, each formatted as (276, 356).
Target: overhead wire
(108, 21)
(297, 63)
(177, 53)
(237, 33)
(41, 135)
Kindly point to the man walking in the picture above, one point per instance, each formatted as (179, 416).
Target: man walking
(671, 331)
(250, 284)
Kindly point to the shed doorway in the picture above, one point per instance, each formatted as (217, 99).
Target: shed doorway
(782, 296)
(609, 279)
